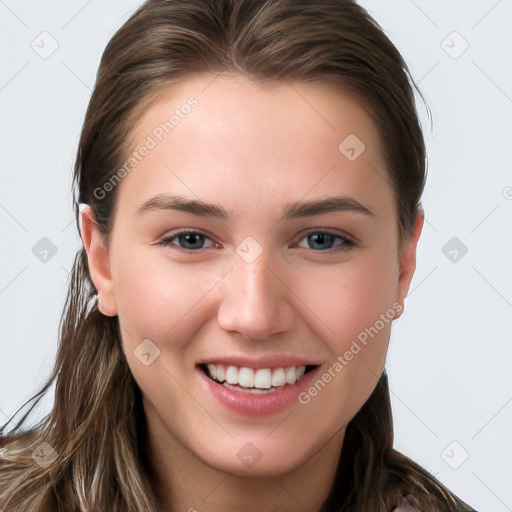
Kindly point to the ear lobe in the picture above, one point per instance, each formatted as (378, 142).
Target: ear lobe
(98, 260)
(407, 262)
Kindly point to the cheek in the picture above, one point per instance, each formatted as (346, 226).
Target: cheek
(352, 297)
(356, 303)
(155, 296)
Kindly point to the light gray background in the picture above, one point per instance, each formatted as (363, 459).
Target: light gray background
(450, 356)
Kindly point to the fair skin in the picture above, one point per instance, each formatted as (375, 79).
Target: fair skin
(252, 151)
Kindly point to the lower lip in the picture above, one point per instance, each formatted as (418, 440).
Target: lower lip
(251, 404)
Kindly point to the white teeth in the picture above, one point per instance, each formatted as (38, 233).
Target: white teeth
(246, 378)
(232, 375)
(213, 370)
(258, 380)
(255, 391)
(278, 378)
(263, 378)
(290, 375)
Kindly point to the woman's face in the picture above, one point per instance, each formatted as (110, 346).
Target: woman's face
(292, 260)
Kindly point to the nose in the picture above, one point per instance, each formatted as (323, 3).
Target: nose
(255, 300)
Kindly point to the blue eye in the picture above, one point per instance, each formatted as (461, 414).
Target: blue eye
(322, 240)
(192, 241)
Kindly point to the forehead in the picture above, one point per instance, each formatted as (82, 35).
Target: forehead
(227, 138)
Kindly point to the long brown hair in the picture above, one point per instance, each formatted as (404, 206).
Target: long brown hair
(96, 431)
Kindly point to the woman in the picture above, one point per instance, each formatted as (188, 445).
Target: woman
(281, 137)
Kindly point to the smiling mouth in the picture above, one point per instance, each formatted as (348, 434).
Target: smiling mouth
(257, 381)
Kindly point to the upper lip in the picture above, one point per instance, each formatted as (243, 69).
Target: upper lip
(268, 361)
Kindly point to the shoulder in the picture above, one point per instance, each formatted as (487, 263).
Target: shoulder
(24, 481)
(419, 490)
(409, 504)
(17, 454)
(20, 441)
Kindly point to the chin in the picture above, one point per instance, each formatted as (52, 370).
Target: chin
(264, 467)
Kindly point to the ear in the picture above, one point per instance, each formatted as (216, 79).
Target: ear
(98, 261)
(407, 263)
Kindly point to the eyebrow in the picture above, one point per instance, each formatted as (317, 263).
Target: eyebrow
(294, 210)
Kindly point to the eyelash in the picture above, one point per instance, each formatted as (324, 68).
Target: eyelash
(346, 244)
